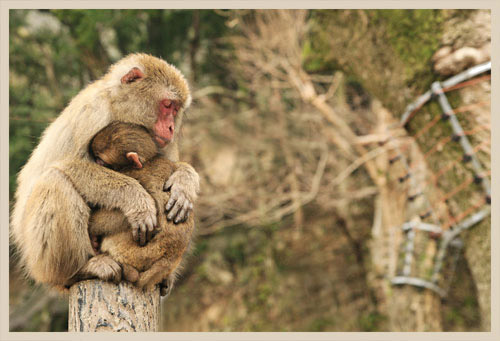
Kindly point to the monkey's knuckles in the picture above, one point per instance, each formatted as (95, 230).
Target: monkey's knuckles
(179, 204)
(185, 181)
(142, 233)
(179, 211)
(142, 222)
(178, 200)
(183, 214)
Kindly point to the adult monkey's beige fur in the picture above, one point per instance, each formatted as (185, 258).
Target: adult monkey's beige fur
(60, 180)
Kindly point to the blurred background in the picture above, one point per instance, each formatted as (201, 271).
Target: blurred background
(292, 130)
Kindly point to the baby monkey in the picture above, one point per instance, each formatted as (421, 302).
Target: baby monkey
(131, 150)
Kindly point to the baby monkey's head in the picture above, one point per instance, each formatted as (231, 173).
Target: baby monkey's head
(120, 145)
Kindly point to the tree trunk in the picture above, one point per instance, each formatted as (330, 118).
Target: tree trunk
(97, 306)
(478, 255)
(406, 77)
(415, 310)
(408, 308)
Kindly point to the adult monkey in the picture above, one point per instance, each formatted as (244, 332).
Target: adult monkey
(61, 180)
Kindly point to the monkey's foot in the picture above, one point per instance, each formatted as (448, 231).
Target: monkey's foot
(130, 273)
(96, 244)
(167, 285)
(103, 267)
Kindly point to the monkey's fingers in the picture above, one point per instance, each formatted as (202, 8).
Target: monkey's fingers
(150, 228)
(142, 234)
(151, 233)
(176, 209)
(138, 231)
(103, 267)
(135, 233)
(118, 276)
(151, 222)
(171, 202)
(168, 184)
(142, 218)
(184, 213)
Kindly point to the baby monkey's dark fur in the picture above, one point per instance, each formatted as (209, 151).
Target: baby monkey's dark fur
(131, 150)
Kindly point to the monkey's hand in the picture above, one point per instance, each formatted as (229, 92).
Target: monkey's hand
(184, 185)
(142, 219)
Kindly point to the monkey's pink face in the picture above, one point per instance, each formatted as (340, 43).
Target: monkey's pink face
(164, 127)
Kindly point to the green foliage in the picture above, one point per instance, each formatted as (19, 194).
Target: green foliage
(200, 247)
(320, 324)
(235, 252)
(34, 98)
(385, 49)
(370, 322)
(85, 25)
(414, 35)
(312, 59)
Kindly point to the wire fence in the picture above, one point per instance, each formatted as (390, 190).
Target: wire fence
(442, 230)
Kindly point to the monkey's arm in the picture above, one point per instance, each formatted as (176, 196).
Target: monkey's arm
(109, 189)
(184, 185)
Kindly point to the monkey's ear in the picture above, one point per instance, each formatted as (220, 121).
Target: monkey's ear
(134, 158)
(133, 75)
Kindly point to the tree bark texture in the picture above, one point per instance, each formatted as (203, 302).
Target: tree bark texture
(407, 308)
(478, 254)
(478, 238)
(414, 310)
(97, 306)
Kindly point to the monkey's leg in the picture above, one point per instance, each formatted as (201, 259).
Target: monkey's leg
(106, 222)
(103, 223)
(158, 272)
(55, 242)
(124, 250)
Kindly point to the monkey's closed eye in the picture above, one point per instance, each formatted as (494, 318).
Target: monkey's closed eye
(100, 161)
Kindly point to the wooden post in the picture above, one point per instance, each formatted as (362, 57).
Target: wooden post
(98, 306)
